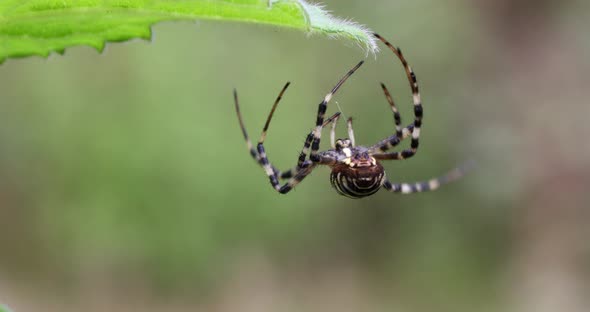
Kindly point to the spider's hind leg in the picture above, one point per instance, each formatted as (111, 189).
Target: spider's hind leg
(430, 185)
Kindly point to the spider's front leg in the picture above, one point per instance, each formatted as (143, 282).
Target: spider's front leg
(313, 139)
(303, 154)
(259, 153)
(394, 140)
(303, 168)
(251, 148)
(317, 132)
(296, 176)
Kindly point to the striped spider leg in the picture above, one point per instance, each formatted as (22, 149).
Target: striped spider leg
(414, 130)
(394, 140)
(254, 153)
(304, 166)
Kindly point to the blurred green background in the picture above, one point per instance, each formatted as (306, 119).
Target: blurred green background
(126, 185)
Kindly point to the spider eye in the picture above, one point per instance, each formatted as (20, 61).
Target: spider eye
(361, 156)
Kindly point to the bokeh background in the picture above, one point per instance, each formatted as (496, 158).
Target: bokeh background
(126, 185)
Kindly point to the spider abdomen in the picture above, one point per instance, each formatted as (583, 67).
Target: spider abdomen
(357, 182)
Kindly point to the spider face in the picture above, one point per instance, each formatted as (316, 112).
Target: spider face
(356, 174)
(353, 156)
(356, 171)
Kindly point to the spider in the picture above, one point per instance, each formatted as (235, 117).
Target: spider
(356, 170)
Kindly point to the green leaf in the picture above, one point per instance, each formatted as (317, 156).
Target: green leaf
(39, 27)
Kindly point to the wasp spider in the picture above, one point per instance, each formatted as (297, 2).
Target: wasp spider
(356, 171)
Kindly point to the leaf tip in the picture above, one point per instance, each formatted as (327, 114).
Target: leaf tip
(320, 20)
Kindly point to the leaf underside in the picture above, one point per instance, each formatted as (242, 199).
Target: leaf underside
(39, 27)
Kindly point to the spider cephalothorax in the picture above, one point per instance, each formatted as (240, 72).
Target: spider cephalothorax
(356, 171)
